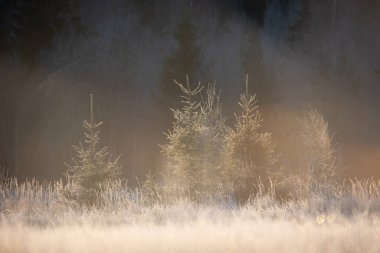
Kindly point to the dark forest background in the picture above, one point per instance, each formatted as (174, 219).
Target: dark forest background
(53, 54)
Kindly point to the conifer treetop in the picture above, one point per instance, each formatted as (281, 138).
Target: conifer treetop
(189, 93)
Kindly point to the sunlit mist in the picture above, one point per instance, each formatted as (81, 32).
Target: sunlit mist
(189, 126)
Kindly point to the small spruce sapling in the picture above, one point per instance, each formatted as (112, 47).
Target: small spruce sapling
(214, 127)
(249, 152)
(185, 141)
(318, 167)
(93, 167)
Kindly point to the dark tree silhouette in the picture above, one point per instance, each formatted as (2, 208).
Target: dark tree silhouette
(185, 60)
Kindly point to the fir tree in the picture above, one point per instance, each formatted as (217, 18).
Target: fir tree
(249, 153)
(195, 145)
(92, 167)
(214, 127)
(185, 140)
(318, 166)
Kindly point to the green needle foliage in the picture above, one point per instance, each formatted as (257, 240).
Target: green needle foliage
(249, 152)
(92, 168)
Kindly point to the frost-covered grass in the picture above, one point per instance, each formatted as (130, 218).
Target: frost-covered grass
(34, 218)
(233, 234)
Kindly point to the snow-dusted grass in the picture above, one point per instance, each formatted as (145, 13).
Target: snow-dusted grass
(34, 219)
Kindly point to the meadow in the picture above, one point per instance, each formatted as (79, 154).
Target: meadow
(211, 126)
(223, 189)
(35, 218)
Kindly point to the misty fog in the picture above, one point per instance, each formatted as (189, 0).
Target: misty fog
(323, 54)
